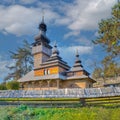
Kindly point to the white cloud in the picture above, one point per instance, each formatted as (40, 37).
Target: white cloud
(76, 16)
(20, 20)
(86, 14)
(72, 49)
(84, 41)
(72, 33)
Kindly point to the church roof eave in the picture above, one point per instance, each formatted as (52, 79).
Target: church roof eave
(30, 77)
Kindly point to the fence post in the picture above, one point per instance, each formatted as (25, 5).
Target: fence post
(66, 91)
(82, 101)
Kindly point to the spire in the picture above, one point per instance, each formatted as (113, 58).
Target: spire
(77, 57)
(42, 25)
(42, 16)
(77, 54)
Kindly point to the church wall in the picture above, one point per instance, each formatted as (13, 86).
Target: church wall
(76, 84)
(53, 84)
(79, 73)
(47, 71)
(73, 84)
(54, 70)
(44, 57)
(40, 85)
(39, 72)
(37, 60)
(61, 69)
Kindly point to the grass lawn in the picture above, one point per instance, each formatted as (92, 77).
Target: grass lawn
(23, 112)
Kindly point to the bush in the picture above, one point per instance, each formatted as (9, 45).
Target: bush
(2, 86)
(12, 85)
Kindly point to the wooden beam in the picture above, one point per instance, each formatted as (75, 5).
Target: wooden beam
(58, 84)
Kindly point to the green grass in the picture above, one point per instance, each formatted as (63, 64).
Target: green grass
(23, 112)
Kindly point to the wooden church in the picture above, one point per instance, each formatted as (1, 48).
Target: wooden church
(50, 71)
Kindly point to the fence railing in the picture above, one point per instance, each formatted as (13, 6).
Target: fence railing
(62, 93)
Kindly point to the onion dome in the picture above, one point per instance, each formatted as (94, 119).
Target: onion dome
(42, 25)
(41, 37)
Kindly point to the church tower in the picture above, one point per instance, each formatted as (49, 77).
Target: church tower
(41, 49)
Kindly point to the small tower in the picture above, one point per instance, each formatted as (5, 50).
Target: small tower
(77, 65)
(41, 49)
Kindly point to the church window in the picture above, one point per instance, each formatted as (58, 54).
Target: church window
(48, 71)
(45, 72)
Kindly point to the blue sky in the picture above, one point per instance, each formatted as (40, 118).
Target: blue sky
(73, 24)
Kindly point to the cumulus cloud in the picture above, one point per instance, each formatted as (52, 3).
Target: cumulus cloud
(76, 15)
(85, 15)
(72, 33)
(84, 41)
(72, 49)
(20, 20)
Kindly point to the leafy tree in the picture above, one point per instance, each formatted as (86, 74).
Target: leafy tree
(110, 68)
(109, 38)
(97, 72)
(12, 85)
(23, 62)
(109, 33)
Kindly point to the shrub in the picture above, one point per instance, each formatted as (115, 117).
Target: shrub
(12, 85)
(2, 86)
